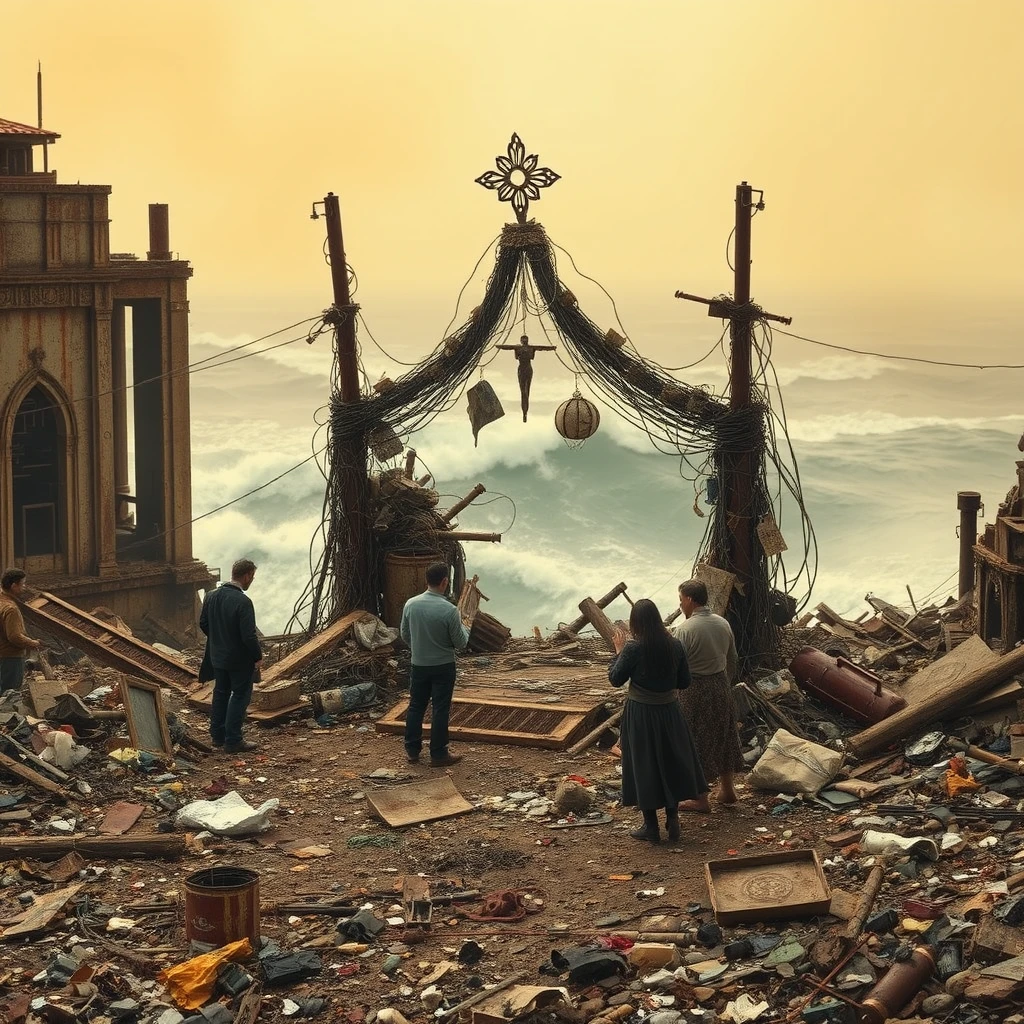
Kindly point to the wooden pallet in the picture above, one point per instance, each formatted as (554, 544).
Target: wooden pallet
(552, 726)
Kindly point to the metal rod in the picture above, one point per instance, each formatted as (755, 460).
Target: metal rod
(969, 504)
(463, 503)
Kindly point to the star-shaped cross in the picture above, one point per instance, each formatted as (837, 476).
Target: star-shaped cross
(518, 179)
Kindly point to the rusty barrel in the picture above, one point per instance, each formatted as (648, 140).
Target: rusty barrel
(222, 905)
(848, 687)
(898, 986)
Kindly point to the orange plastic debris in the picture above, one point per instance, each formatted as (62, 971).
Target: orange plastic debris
(191, 983)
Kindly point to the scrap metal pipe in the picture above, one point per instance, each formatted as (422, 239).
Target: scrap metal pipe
(969, 503)
(951, 698)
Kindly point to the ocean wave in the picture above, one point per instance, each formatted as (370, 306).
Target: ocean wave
(873, 422)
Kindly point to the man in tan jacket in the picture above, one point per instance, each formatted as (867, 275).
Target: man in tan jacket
(14, 642)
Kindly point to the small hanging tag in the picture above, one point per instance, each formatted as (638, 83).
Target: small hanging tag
(770, 536)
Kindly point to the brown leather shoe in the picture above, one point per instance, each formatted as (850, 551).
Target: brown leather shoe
(445, 762)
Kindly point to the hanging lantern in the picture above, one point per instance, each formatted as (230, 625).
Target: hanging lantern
(576, 420)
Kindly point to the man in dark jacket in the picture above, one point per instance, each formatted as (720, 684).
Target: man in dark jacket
(234, 654)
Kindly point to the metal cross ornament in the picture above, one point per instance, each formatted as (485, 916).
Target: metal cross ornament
(518, 179)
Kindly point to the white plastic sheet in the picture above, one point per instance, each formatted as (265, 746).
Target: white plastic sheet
(229, 815)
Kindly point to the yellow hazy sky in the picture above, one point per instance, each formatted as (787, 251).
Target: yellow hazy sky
(886, 135)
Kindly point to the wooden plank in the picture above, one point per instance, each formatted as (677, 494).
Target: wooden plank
(41, 912)
(26, 774)
(93, 636)
(293, 663)
(972, 654)
(429, 800)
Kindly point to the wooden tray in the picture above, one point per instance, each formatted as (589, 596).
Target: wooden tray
(773, 886)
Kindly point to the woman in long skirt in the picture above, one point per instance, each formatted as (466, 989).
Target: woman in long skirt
(659, 764)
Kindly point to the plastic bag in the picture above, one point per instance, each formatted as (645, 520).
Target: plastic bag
(191, 983)
(230, 815)
(792, 765)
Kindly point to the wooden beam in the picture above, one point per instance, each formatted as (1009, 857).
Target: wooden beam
(461, 535)
(572, 628)
(951, 698)
(462, 503)
(312, 648)
(598, 619)
(116, 847)
(595, 734)
(26, 774)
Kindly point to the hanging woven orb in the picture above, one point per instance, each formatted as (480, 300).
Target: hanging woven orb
(576, 420)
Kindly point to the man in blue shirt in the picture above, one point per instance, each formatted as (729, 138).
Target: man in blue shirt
(434, 631)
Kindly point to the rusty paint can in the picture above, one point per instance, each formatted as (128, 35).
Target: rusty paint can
(222, 905)
(848, 687)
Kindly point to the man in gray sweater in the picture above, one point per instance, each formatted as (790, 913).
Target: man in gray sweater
(432, 628)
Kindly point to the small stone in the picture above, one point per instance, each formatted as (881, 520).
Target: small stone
(935, 1006)
(703, 994)
(709, 935)
(620, 998)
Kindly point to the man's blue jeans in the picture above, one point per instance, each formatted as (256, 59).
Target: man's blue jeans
(433, 684)
(12, 673)
(232, 691)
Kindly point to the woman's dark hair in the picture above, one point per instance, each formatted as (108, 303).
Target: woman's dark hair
(654, 639)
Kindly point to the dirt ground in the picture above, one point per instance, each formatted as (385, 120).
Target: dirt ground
(320, 777)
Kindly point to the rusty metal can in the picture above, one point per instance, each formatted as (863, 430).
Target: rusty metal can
(848, 687)
(901, 983)
(222, 905)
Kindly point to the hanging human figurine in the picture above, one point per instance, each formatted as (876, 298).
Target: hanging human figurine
(524, 354)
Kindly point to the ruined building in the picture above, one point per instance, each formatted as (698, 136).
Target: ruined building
(93, 372)
(999, 558)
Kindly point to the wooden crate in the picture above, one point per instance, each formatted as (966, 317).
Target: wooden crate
(552, 726)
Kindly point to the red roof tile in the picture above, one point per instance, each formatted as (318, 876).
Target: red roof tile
(14, 128)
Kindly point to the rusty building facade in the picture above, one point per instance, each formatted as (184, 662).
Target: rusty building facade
(75, 322)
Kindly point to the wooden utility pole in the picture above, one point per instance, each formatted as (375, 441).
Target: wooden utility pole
(743, 465)
(349, 450)
(741, 469)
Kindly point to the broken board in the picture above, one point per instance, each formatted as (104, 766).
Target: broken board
(973, 654)
(40, 913)
(523, 724)
(43, 694)
(202, 700)
(419, 801)
(316, 646)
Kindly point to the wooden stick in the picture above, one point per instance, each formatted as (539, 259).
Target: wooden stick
(26, 774)
(485, 994)
(856, 923)
(51, 848)
(595, 734)
(410, 463)
(447, 517)
(949, 699)
(577, 624)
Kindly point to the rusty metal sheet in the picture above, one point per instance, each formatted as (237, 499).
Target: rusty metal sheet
(120, 817)
(419, 801)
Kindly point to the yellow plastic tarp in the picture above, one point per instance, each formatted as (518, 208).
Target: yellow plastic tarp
(191, 983)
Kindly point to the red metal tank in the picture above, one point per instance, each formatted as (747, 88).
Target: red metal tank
(838, 682)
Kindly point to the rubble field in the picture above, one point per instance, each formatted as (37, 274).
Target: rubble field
(529, 901)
